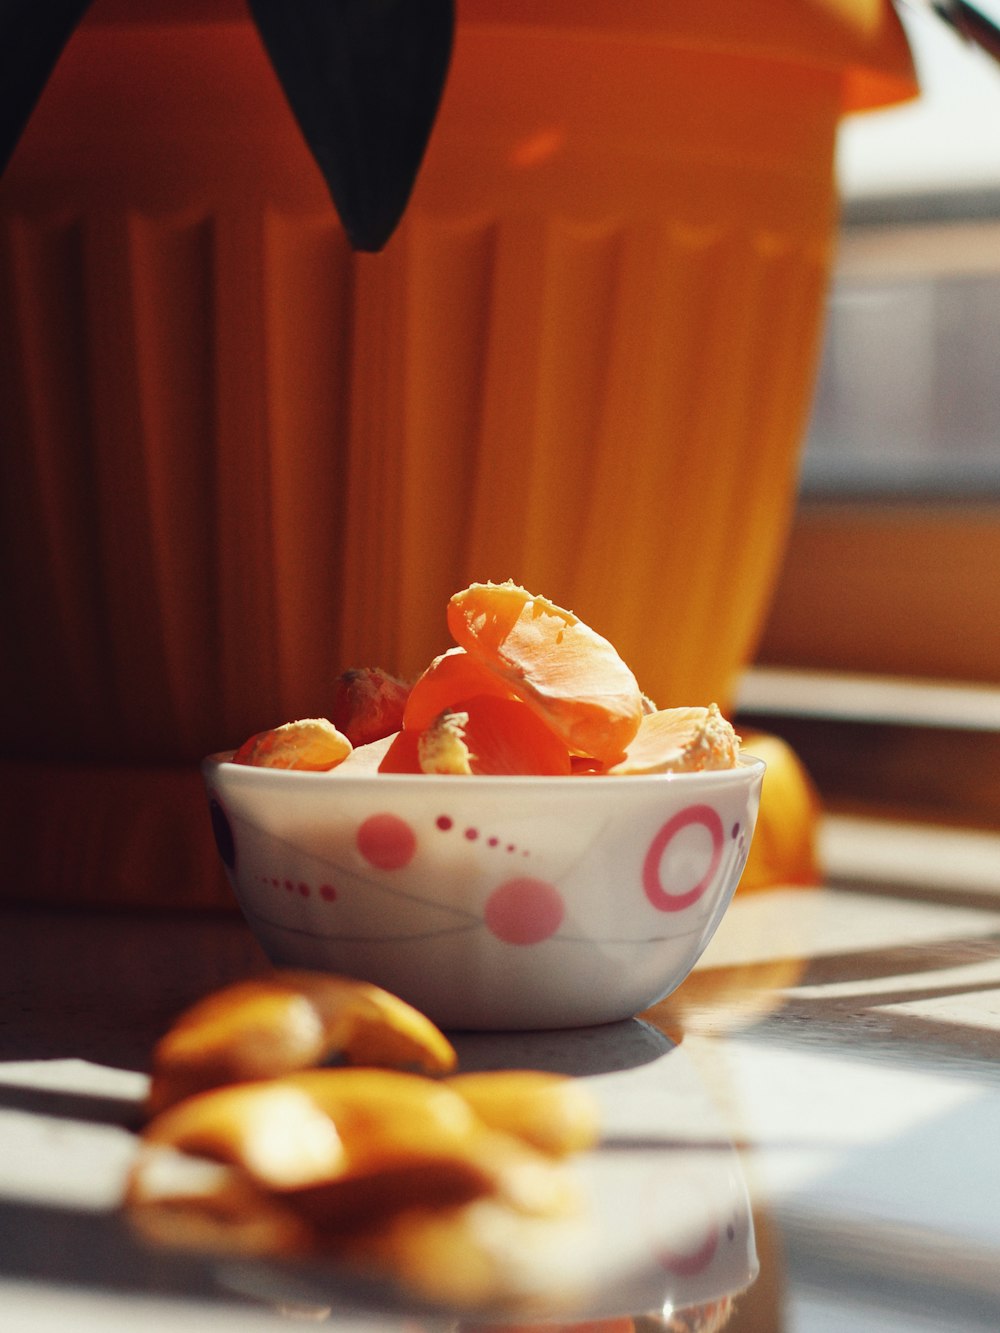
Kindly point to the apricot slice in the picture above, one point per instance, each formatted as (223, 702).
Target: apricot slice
(274, 1131)
(368, 704)
(571, 676)
(450, 678)
(262, 1029)
(390, 1176)
(680, 740)
(490, 734)
(409, 1138)
(344, 1147)
(313, 743)
(552, 1112)
(326, 1125)
(361, 1098)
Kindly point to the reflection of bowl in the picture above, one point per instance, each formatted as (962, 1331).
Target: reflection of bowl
(671, 1219)
(489, 903)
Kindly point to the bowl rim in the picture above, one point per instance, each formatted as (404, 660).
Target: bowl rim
(747, 767)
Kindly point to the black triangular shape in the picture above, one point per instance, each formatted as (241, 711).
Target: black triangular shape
(364, 79)
(32, 36)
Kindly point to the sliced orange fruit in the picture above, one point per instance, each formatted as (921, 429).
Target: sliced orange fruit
(553, 1112)
(489, 734)
(291, 1020)
(680, 740)
(403, 754)
(571, 676)
(312, 743)
(451, 677)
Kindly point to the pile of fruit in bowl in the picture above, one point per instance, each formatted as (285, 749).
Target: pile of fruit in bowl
(528, 688)
(519, 840)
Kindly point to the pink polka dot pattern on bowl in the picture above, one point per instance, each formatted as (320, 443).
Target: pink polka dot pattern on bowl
(524, 911)
(471, 833)
(386, 842)
(326, 891)
(661, 898)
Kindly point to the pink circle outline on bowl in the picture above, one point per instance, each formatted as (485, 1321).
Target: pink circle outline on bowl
(655, 892)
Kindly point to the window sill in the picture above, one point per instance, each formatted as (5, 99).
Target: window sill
(895, 749)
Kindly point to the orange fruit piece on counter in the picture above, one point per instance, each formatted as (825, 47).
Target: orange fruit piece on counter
(411, 1140)
(450, 678)
(346, 1147)
(312, 743)
(275, 1025)
(554, 1113)
(368, 704)
(275, 1131)
(571, 676)
(489, 734)
(680, 740)
(785, 846)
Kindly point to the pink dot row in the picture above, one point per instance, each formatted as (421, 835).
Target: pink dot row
(325, 891)
(444, 823)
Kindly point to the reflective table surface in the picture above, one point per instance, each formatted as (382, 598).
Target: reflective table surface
(805, 1137)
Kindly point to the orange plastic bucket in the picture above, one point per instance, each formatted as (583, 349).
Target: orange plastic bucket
(240, 458)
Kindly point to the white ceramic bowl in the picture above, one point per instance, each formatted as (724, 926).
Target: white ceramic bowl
(488, 902)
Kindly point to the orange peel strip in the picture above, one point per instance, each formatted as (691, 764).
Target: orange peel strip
(490, 734)
(450, 678)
